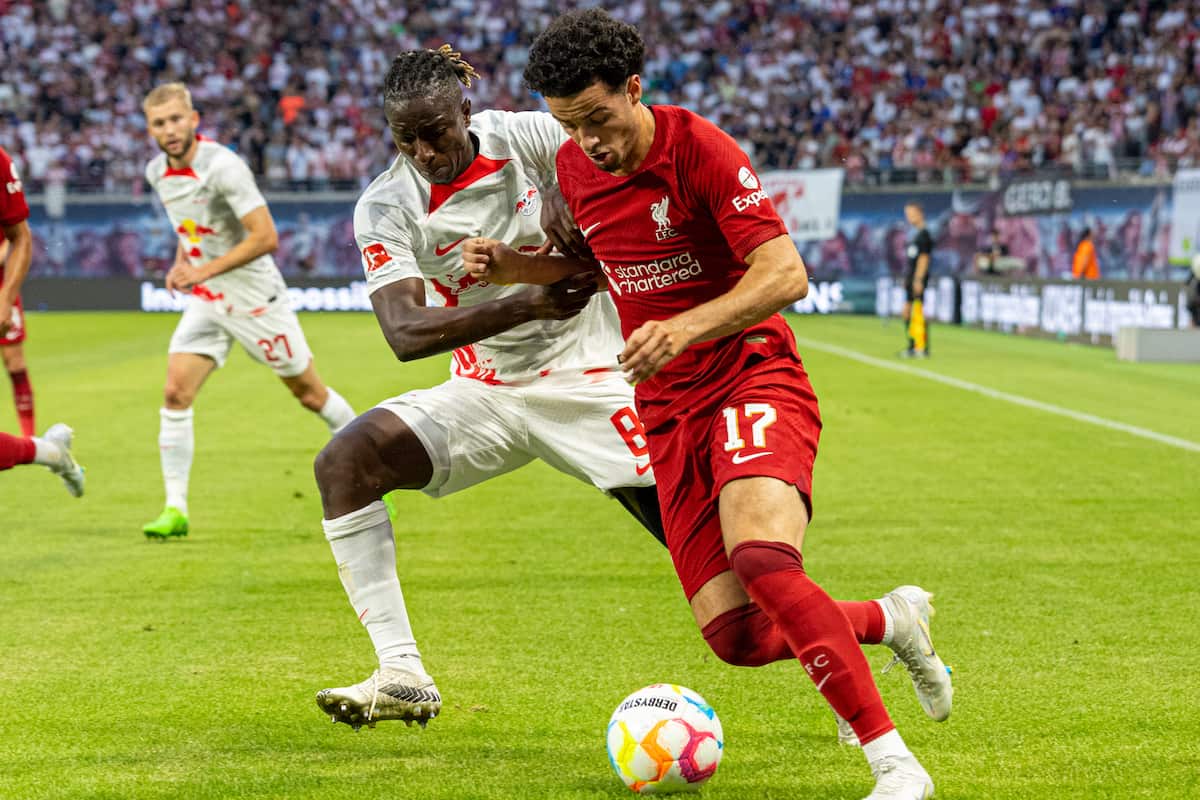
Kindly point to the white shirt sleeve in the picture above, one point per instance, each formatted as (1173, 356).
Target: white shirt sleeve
(536, 137)
(385, 244)
(235, 182)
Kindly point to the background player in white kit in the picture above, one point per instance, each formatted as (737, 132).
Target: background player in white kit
(226, 236)
(534, 371)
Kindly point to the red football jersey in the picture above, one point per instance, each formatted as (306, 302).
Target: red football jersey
(675, 235)
(13, 208)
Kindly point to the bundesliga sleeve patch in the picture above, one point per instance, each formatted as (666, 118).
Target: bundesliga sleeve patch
(375, 255)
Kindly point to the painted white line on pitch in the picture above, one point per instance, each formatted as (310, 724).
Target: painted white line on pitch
(1015, 399)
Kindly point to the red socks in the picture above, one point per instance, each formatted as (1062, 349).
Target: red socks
(23, 396)
(866, 618)
(746, 637)
(15, 450)
(815, 629)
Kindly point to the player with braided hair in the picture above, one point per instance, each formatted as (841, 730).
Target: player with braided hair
(533, 369)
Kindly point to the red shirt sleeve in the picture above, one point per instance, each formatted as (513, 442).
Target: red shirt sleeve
(13, 208)
(721, 178)
(564, 174)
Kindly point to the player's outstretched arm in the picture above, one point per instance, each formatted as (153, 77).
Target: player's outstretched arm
(776, 278)
(495, 262)
(16, 267)
(414, 330)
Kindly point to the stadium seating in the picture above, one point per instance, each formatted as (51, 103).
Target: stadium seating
(883, 88)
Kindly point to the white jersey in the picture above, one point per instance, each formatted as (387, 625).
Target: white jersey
(407, 228)
(206, 202)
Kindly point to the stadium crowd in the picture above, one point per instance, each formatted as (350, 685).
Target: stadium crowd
(891, 90)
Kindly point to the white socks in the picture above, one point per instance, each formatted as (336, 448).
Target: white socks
(176, 445)
(889, 624)
(336, 412)
(365, 552)
(890, 744)
(46, 453)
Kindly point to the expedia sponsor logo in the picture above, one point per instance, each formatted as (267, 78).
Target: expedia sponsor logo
(752, 199)
(653, 275)
(747, 178)
(665, 703)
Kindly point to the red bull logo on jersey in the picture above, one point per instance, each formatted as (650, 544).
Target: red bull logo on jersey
(194, 232)
(452, 287)
(529, 202)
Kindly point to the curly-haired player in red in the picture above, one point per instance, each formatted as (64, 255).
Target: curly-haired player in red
(699, 265)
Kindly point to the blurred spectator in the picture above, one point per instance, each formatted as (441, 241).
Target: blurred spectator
(985, 262)
(1084, 265)
(892, 91)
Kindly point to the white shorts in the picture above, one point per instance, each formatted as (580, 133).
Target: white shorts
(583, 425)
(273, 337)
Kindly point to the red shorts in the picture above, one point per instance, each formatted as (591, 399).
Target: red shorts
(766, 423)
(16, 334)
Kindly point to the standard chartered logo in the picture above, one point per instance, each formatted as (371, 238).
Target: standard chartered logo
(654, 274)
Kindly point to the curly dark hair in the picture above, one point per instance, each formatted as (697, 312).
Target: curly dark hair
(426, 73)
(580, 48)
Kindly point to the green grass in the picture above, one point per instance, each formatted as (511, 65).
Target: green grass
(1064, 558)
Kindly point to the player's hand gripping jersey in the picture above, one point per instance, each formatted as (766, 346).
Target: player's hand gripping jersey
(205, 203)
(409, 228)
(675, 235)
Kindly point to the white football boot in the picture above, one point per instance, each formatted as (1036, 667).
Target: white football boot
(71, 473)
(900, 778)
(913, 647)
(389, 693)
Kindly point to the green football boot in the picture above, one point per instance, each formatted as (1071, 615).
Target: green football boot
(171, 522)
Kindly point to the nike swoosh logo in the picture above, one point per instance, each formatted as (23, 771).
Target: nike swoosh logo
(589, 229)
(441, 251)
(642, 470)
(738, 458)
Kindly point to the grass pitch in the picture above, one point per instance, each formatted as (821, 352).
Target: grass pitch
(1064, 558)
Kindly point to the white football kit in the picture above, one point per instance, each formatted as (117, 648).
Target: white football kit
(205, 203)
(546, 389)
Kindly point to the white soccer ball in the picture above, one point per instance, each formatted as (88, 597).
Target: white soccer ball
(664, 738)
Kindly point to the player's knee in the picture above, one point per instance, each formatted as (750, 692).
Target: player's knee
(740, 637)
(753, 559)
(177, 397)
(335, 463)
(14, 359)
(346, 464)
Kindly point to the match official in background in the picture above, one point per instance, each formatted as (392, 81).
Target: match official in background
(1085, 266)
(919, 251)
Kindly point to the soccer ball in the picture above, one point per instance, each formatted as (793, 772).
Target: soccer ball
(664, 738)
